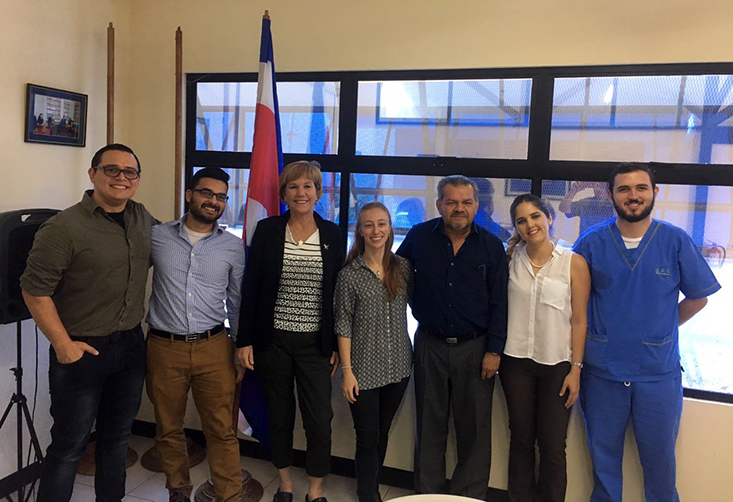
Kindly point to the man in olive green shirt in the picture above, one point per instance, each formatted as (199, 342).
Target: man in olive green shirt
(84, 284)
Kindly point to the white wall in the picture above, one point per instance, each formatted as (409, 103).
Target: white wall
(63, 44)
(60, 44)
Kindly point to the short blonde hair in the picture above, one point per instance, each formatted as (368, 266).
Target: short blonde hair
(302, 168)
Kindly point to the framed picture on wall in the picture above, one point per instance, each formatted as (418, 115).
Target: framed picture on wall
(55, 116)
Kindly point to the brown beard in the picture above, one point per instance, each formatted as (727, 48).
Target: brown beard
(634, 218)
(198, 214)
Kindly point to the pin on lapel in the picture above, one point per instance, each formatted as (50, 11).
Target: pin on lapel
(325, 246)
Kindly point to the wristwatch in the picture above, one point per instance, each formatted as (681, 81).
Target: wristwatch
(576, 363)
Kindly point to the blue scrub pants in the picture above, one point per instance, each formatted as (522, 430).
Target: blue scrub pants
(655, 409)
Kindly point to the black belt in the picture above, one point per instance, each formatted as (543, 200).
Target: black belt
(453, 340)
(115, 337)
(190, 338)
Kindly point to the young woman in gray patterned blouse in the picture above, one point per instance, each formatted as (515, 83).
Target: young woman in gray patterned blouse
(370, 314)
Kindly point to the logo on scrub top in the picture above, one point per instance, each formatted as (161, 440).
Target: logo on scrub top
(663, 272)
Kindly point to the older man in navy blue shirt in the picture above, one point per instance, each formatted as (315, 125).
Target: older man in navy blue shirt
(198, 269)
(460, 301)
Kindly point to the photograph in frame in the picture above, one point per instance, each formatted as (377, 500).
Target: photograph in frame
(55, 116)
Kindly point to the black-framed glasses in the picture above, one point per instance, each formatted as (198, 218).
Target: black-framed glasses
(114, 171)
(207, 194)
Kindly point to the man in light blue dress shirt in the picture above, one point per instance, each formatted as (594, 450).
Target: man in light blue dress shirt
(197, 279)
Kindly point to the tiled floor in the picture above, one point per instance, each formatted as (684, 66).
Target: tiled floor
(147, 486)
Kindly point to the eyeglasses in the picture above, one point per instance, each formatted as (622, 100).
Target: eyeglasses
(114, 171)
(207, 194)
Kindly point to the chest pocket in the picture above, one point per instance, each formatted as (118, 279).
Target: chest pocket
(554, 293)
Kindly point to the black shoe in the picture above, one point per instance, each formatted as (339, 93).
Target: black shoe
(178, 496)
(282, 496)
(319, 499)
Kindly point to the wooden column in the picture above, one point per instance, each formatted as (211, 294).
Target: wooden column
(110, 84)
(179, 124)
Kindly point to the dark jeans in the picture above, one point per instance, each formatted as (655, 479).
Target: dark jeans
(536, 413)
(448, 377)
(297, 358)
(373, 413)
(107, 387)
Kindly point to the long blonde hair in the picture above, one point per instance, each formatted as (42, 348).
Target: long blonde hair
(393, 279)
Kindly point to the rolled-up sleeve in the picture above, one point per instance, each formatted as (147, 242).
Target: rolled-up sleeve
(49, 257)
(343, 305)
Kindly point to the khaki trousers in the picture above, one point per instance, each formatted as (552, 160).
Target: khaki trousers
(207, 368)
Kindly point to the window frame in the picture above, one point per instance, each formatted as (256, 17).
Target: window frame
(537, 167)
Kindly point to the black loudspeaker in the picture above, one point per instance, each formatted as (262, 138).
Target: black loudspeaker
(17, 230)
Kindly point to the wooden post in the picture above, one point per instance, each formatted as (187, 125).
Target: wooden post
(110, 84)
(179, 123)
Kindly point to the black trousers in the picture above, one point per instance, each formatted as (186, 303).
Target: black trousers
(448, 377)
(106, 388)
(536, 413)
(373, 413)
(296, 358)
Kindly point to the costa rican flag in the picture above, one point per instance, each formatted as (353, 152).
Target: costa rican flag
(263, 200)
(267, 155)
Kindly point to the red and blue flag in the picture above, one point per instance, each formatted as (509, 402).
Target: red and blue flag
(263, 201)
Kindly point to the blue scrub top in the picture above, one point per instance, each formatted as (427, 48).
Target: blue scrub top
(633, 314)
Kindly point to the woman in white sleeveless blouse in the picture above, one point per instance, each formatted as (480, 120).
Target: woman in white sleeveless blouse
(540, 371)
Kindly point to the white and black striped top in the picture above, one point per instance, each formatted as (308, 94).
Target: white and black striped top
(300, 295)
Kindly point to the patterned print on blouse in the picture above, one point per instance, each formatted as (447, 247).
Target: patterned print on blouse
(381, 350)
(300, 296)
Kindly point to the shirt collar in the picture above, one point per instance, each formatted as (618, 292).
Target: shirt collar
(359, 262)
(557, 250)
(439, 225)
(180, 223)
(90, 205)
(87, 202)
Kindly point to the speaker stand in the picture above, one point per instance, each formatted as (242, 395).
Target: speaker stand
(21, 402)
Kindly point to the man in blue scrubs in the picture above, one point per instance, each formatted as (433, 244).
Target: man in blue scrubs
(632, 370)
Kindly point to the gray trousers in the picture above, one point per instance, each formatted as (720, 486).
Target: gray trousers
(448, 378)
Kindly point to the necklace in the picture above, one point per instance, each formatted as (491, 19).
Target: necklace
(546, 261)
(297, 243)
(377, 269)
(535, 265)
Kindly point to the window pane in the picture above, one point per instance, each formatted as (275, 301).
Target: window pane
(411, 200)
(577, 205)
(225, 116)
(705, 214)
(233, 217)
(684, 119)
(451, 118)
